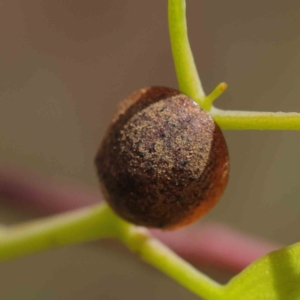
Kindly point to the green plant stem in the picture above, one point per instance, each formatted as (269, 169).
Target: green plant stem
(158, 255)
(98, 222)
(244, 120)
(190, 84)
(65, 229)
(216, 93)
(187, 74)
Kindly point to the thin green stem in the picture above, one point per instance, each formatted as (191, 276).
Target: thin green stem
(157, 254)
(74, 227)
(216, 93)
(187, 74)
(98, 222)
(244, 120)
(190, 84)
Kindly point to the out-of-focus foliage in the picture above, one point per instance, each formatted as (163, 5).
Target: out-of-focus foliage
(275, 276)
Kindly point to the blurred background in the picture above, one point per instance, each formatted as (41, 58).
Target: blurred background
(64, 66)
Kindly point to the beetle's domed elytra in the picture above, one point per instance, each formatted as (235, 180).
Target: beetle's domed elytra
(163, 162)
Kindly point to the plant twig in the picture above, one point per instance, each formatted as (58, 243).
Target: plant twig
(248, 120)
(201, 245)
(216, 93)
(160, 256)
(187, 74)
(98, 222)
(64, 229)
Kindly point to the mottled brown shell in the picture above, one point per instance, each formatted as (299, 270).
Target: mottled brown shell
(163, 162)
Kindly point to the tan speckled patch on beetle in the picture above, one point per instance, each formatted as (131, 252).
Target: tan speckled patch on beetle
(163, 162)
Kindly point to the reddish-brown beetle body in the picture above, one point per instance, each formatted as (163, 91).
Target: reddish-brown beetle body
(163, 162)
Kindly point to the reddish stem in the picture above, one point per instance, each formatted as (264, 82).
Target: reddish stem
(215, 245)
